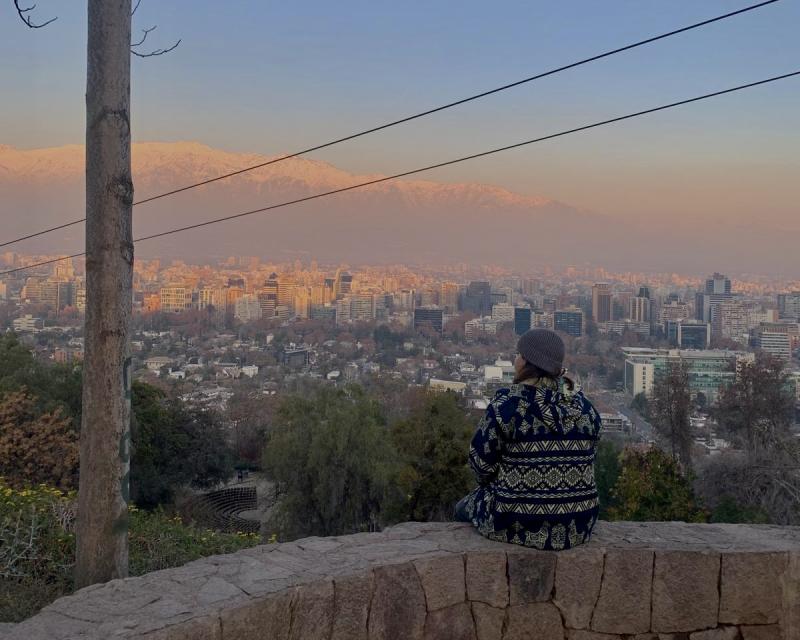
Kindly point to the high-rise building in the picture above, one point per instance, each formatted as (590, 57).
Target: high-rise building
(640, 309)
(601, 302)
(789, 305)
(362, 306)
(569, 321)
(774, 343)
(429, 316)
(693, 335)
(478, 298)
(175, 298)
(247, 308)
(503, 312)
(448, 297)
(523, 319)
(717, 291)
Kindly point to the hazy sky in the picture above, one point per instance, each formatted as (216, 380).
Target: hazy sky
(272, 77)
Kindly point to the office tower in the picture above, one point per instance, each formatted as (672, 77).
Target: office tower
(693, 335)
(362, 306)
(640, 309)
(478, 298)
(601, 302)
(429, 316)
(523, 319)
(503, 312)
(449, 296)
(247, 308)
(717, 291)
(175, 298)
(569, 321)
(789, 305)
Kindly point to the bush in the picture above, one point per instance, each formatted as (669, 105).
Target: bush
(37, 546)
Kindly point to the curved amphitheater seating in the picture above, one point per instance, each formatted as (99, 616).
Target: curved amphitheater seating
(220, 509)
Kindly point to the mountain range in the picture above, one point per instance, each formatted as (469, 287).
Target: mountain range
(408, 220)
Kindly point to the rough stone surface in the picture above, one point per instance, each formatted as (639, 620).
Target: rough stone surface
(255, 592)
(685, 591)
(442, 580)
(488, 621)
(531, 576)
(720, 633)
(312, 612)
(257, 619)
(624, 602)
(454, 623)
(351, 603)
(538, 620)
(761, 632)
(486, 578)
(577, 586)
(583, 634)
(750, 587)
(398, 604)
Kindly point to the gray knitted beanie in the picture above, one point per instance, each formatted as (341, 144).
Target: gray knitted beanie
(544, 349)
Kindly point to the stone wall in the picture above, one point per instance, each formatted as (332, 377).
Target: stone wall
(643, 581)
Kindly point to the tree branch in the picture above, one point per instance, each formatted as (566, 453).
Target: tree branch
(27, 19)
(157, 52)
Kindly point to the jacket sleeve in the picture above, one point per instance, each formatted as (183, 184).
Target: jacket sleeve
(484, 450)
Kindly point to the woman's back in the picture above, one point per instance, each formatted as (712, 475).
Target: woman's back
(533, 455)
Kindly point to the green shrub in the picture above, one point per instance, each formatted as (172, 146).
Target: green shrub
(37, 546)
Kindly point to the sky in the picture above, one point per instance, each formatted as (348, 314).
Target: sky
(273, 77)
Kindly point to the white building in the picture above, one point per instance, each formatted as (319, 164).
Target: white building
(247, 308)
(28, 324)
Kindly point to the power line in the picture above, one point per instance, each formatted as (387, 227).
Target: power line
(415, 116)
(433, 166)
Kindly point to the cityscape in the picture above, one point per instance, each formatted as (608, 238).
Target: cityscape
(207, 329)
(369, 321)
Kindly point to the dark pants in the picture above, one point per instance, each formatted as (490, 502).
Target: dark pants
(461, 511)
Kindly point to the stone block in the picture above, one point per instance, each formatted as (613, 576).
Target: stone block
(531, 576)
(685, 591)
(262, 619)
(624, 602)
(398, 604)
(583, 634)
(442, 580)
(207, 627)
(486, 578)
(761, 632)
(537, 620)
(453, 623)
(312, 612)
(488, 621)
(577, 586)
(750, 587)
(351, 597)
(790, 618)
(720, 633)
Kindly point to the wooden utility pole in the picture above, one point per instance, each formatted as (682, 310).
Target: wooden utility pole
(102, 525)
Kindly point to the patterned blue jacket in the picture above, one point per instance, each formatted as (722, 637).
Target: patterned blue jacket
(533, 456)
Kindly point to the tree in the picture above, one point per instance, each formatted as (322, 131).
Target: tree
(606, 473)
(651, 486)
(36, 448)
(432, 443)
(331, 460)
(174, 446)
(756, 409)
(669, 411)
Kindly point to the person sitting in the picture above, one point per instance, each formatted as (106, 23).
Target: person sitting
(533, 455)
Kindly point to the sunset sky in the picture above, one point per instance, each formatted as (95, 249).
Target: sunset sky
(270, 77)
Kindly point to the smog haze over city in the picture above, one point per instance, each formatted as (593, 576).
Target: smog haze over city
(703, 187)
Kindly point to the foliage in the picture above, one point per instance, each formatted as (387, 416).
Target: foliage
(173, 446)
(53, 386)
(756, 410)
(331, 460)
(606, 473)
(36, 447)
(432, 443)
(651, 486)
(729, 510)
(669, 411)
(37, 550)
